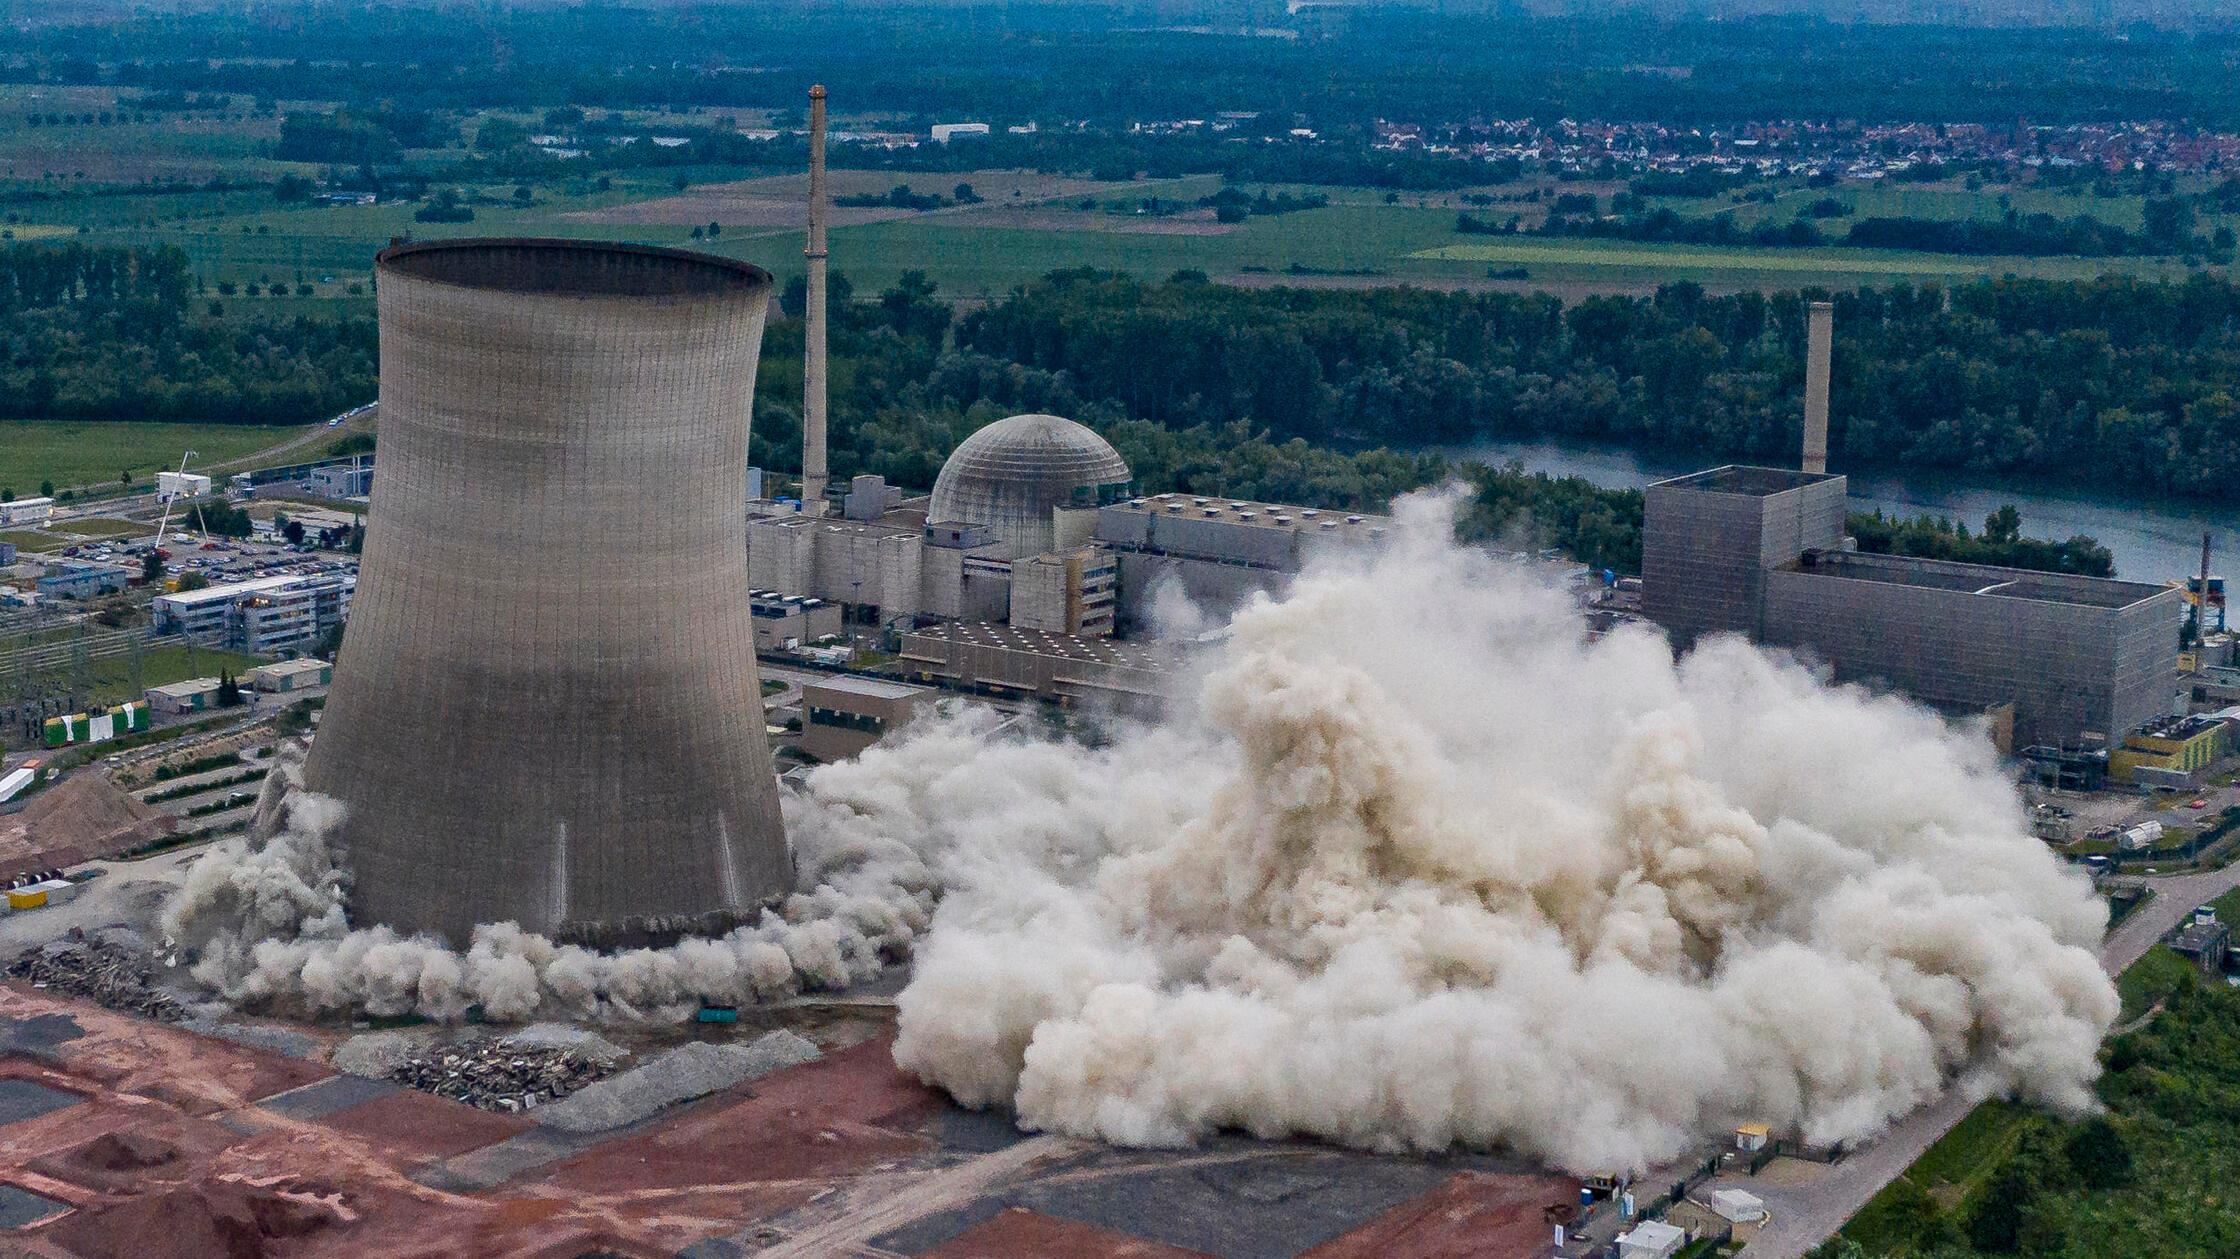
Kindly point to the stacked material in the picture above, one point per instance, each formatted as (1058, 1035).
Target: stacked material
(680, 1075)
(501, 1075)
(103, 971)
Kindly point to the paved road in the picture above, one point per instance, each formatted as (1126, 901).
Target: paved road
(1806, 1215)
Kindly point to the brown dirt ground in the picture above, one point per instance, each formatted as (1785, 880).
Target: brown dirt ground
(223, 1175)
(1471, 1216)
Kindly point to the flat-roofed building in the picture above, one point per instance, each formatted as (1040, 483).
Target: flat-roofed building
(1761, 552)
(841, 715)
(191, 696)
(171, 485)
(868, 565)
(285, 676)
(265, 617)
(1709, 539)
(2178, 748)
(1066, 592)
(1220, 551)
(1063, 668)
(26, 511)
(69, 580)
(783, 622)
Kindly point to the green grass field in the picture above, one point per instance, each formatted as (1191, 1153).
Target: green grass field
(93, 454)
(34, 540)
(105, 527)
(112, 675)
(1946, 1171)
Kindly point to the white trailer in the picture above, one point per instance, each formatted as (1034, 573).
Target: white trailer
(2143, 835)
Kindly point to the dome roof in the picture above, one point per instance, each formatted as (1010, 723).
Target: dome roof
(1012, 473)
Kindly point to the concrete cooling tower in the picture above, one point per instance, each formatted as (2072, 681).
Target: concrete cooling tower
(547, 711)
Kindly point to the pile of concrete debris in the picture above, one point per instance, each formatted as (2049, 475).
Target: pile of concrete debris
(108, 972)
(501, 1075)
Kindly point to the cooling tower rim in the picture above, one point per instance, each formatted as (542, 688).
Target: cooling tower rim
(548, 266)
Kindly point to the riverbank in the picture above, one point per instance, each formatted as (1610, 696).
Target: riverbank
(2151, 539)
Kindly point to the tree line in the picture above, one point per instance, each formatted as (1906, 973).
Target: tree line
(1053, 61)
(904, 394)
(2127, 382)
(106, 333)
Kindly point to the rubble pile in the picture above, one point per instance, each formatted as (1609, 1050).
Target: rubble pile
(103, 971)
(501, 1075)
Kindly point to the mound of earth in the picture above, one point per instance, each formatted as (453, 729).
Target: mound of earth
(83, 818)
(215, 1220)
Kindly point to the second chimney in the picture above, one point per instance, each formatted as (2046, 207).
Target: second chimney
(814, 475)
(1820, 331)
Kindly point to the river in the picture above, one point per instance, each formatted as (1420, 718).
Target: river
(2152, 540)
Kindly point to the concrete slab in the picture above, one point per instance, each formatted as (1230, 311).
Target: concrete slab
(978, 1131)
(321, 1098)
(29, 1099)
(38, 1036)
(493, 1165)
(1018, 1233)
(21, 1208)
(1237, 1200)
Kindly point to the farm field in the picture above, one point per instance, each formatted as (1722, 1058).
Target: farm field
(70, 453)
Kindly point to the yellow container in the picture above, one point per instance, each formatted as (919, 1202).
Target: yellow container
(27, 900)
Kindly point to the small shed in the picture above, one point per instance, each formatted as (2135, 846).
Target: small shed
(1752, 1137)
(1652, 1239)
(1738, 1206)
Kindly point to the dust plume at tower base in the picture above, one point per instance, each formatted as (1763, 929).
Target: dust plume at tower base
(1415, 864)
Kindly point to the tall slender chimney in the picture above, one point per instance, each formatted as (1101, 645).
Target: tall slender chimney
(814, 474)
(1820, 332)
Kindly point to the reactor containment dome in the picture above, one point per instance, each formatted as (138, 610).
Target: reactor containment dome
(1014, 474)
(549, 711)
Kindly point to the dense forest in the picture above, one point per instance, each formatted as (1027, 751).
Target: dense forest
(102, 333)
(2137, 381)
(1254, 392)
(903, 398)
(1012, 63)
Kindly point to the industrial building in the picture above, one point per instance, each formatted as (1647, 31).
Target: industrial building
(1030, 523)
(286, 676)
(1025, 663)
(26, 511)
(784, 622)
(2203, 940)
(842, 715)
(1066, 592)
(191, 696)
(1034, 482)
(550, 712)
(1761, 552)
(2169, 751)
(342, 480)
(1220, 551)
(72, 580)
(1016, 491)
(171, 485)
(268, 616)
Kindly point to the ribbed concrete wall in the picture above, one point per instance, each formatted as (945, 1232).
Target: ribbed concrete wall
(548, 710)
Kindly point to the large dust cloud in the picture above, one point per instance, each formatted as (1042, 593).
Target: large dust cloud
(1413, 863)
